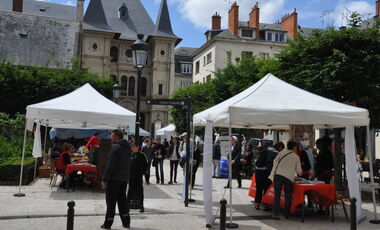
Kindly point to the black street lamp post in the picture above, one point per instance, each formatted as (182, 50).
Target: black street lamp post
(140, 53)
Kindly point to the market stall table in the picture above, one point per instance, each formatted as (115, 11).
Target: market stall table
(322, 194)
(82, 166)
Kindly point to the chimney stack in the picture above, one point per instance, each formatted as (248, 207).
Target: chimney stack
(80, 6)
(290, 23)
(216, 22)
(254, 19)
(17, 5)
(233, 19)
(377, 8)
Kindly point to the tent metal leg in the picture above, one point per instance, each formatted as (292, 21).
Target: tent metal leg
(20, 194)
(375, 221)
(230, 225)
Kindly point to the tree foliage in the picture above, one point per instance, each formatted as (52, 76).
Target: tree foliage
(343, 65)
(21, 86)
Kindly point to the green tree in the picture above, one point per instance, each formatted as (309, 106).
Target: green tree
(21, 86)
(343, 65)
(203, 96)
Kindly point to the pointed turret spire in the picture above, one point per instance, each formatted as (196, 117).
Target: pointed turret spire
(95, 16)
(163, 25)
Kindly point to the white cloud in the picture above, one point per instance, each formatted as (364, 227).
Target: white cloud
(344, 9)
(199, 12)
(64, 2)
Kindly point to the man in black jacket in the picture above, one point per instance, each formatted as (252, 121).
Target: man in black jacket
(236, 164)
(115, 180)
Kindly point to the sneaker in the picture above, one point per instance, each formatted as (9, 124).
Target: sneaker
(105, 227)
(142, 209)
(239, 186)
(175, 182)
(170, 182)
(126, 225)
(275, 217)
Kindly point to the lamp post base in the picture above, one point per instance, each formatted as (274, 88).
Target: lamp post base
(232, 225)
(191, 200)
(19, 194)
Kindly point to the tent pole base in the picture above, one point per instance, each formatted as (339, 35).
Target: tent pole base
(191, 200)
(232, 225)
(374, 221)
(20, 194)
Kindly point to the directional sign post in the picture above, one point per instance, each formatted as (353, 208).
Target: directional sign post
(184, 103)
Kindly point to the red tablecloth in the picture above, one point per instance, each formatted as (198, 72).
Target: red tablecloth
(84, 168)
(323, 194)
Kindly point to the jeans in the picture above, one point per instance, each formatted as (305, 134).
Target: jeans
(216, 170)
(160, 164)
(116, 191)
(262, 184)
(280, 181)
(173, 169)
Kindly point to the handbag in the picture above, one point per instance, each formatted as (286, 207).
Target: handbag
(155, 162)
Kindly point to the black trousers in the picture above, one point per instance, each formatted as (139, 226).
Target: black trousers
(160, 164)
(147, 173)
(280, 181)
(236, 171)
(116, 192)
(173, 169)
(195, 168)
(262, 184)
(136, 190)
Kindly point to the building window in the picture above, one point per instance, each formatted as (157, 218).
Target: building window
(264, 56)
(185, 84)
(114, 53)
(162, 52)
(160, 86)
(208, 78)
(247, 33)
(94, 46)
(128, 53)
(143, 86)
(269, 37)
(186, 68)
(124, 83)
(277, 37)
(204, 60)
(113, 78)
(131, 86)
(197, 67)
(209, 58)
(281, 37)
(246, 54)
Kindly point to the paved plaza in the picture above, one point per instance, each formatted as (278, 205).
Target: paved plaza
(43, 208)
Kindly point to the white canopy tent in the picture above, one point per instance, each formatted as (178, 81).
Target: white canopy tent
(142, 133)
(274, 104)
(167, 131)
(84, 108)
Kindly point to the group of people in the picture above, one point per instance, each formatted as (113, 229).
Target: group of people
(127, 165)
(280, 165)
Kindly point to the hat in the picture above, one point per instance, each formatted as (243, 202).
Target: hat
(183, 134)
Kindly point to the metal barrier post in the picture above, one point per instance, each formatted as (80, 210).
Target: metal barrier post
(223, 212)
(70, 215)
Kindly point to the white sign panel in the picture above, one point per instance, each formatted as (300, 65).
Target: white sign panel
(225, 146)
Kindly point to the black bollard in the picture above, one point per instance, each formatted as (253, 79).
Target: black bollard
(70, 215)
(223, 211)
(353, 218)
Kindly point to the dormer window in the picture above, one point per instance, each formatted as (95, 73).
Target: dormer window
(123, 11)
(247, 33)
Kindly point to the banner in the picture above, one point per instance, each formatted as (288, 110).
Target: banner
(351, 169)
(207, 173)
(37, 148)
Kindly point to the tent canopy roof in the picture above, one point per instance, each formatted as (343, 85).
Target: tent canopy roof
(83, 108)
(274, 104)
(169, 129)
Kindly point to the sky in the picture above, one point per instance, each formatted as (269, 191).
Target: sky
(192, 18)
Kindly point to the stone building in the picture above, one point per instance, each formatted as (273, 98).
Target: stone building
(36, 33)
(109, 29)
(242, 39)
(183, 67)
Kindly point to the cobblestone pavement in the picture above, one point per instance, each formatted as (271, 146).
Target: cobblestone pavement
(44, 208)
